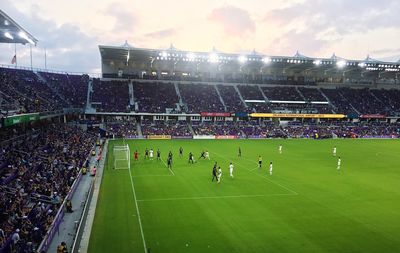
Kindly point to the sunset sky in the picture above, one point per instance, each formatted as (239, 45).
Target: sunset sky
(72, 30)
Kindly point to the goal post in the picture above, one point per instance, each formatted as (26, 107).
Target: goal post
(122, 157)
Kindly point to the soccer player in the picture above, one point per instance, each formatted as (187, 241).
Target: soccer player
(203, 155)
(169, 162)
(146, 154)
(158, 154)
(136, 155)
(219, 175)
(339, 162)
(180, 152)
(191, 159)
(259, 161)
(280, 149)
(231, 170)
(170, 154)
(214, 172)
(270, 168)
(151, 154)
(239, 152)
(207, 155)
(334, 151)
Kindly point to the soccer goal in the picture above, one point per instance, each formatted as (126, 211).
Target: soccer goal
(122, 157)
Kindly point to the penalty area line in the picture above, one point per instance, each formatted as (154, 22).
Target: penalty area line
(218, 197)
(276, 183)
(167, 166)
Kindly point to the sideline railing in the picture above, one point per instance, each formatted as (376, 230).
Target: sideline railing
(80, 230)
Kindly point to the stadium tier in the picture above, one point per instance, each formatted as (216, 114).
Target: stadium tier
(25, 91)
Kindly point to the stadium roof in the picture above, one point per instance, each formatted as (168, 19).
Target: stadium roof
(163, 58)
(11, 32)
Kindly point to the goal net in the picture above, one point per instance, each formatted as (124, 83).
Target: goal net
(122, 157)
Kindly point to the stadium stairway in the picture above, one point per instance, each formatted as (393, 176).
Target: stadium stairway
(240, 95)
(51, 86)
(89, 91)
(131, 94)
(139, 130)
(191, 129)
(334, 109)
(220, 98)
(301, 94)
(263, 94)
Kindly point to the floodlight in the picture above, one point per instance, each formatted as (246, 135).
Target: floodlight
(341, 64)
(8, 35)
(191, 56)
(362, 64)
(266, 60)
(213, 57)
(317, 62)
(164, 54)
(24, 36)
(242, 59)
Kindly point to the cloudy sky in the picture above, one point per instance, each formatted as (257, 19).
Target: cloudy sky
(71, 30)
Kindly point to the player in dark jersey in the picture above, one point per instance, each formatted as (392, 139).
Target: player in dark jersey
(146, 154)
(203, 155)
(214, 173)
(180, 152)
(191, 159)
(158, 154)
(169, 162)
(240, 152)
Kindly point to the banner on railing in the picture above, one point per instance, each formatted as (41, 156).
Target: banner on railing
(159, 137)
(204, 137)
(17, 119)
(226, 137)
(215, 114)
(373, 116)
(297, 115)
(182, 137)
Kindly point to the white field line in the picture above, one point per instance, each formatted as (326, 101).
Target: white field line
(217, 197)
(167, 166)
(138, 212)
(278, 184)
(155, 175)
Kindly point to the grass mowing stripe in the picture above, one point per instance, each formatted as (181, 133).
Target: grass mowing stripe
(138, 212)
(278, 184)
(218, 197)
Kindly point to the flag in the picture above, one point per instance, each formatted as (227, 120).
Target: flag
(14, 59)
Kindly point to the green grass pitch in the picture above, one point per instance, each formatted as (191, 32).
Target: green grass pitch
(307, 205)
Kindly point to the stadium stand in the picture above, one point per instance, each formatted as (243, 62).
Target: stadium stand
(35, 176)
(110, 96)
(155, 97)
(231, 98)
(201, 98)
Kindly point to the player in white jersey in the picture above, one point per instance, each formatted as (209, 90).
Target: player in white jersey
(219, 175)
(207, 155)
(270, 168)
(334, 151)
(339, 162)
(231, 169)
(280, 149)
(151, 155)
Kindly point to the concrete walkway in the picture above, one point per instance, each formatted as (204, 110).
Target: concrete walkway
(69, 225)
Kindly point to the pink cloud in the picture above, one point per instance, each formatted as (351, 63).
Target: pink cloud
(234, 21)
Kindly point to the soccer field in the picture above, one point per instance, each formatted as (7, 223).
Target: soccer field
(307, 205)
